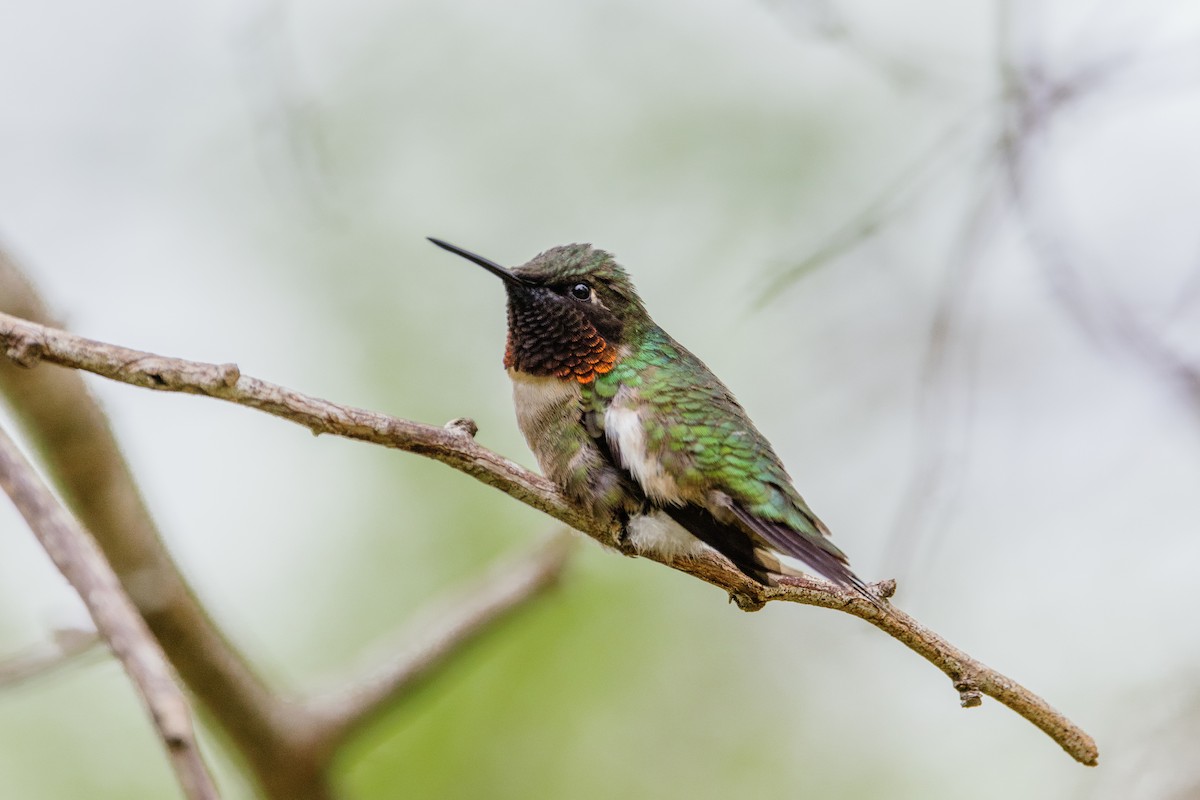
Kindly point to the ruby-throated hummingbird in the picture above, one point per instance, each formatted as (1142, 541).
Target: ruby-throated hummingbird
(630, 424)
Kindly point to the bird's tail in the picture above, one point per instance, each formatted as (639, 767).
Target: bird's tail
(782, 544)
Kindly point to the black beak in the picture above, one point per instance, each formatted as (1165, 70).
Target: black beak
(491, 266)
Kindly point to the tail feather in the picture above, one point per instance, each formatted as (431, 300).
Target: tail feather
(819, 554)
(755, 544)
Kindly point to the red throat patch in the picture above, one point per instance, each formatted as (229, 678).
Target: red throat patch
(580, 360)
(597, 357)
(508, 352)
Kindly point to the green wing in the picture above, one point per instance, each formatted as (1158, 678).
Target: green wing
(696, 429)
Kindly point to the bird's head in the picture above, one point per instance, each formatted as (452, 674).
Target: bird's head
(570, 310)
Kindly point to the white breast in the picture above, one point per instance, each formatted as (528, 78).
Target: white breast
(540, 401)
(627, 436)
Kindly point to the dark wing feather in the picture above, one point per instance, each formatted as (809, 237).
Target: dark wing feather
(728, 540)
(741, 543)
(828, 562)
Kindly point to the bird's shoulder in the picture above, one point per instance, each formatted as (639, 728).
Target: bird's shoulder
(691, 422)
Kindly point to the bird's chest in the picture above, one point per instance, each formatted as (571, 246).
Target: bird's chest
(546, 406)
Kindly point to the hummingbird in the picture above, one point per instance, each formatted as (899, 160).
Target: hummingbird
(629, 424)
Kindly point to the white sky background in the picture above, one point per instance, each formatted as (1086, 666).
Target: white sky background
(253, 182)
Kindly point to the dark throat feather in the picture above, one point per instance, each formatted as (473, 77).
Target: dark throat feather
(546, 339)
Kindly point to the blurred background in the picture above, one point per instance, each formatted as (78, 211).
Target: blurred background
(946, 253)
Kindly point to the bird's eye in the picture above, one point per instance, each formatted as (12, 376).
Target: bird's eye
(581, 291)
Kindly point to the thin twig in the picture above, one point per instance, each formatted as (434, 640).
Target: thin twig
(446, 629)
(78, 558)
(27, 343)
(67, 645)
(970, 677)
(897, 197)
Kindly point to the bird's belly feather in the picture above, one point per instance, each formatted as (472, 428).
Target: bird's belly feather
(658, 533)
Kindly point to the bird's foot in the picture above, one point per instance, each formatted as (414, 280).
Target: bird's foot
(746, 601)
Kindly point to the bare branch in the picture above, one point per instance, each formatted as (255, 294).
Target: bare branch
(78, 558)
(29, 342)
(446, 630)
(67, 645)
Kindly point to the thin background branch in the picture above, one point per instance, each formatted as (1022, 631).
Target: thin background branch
(67, 645)
(1035, 99)
(79, 559)
(1029, 100)
(76, 448)
(444, 630)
